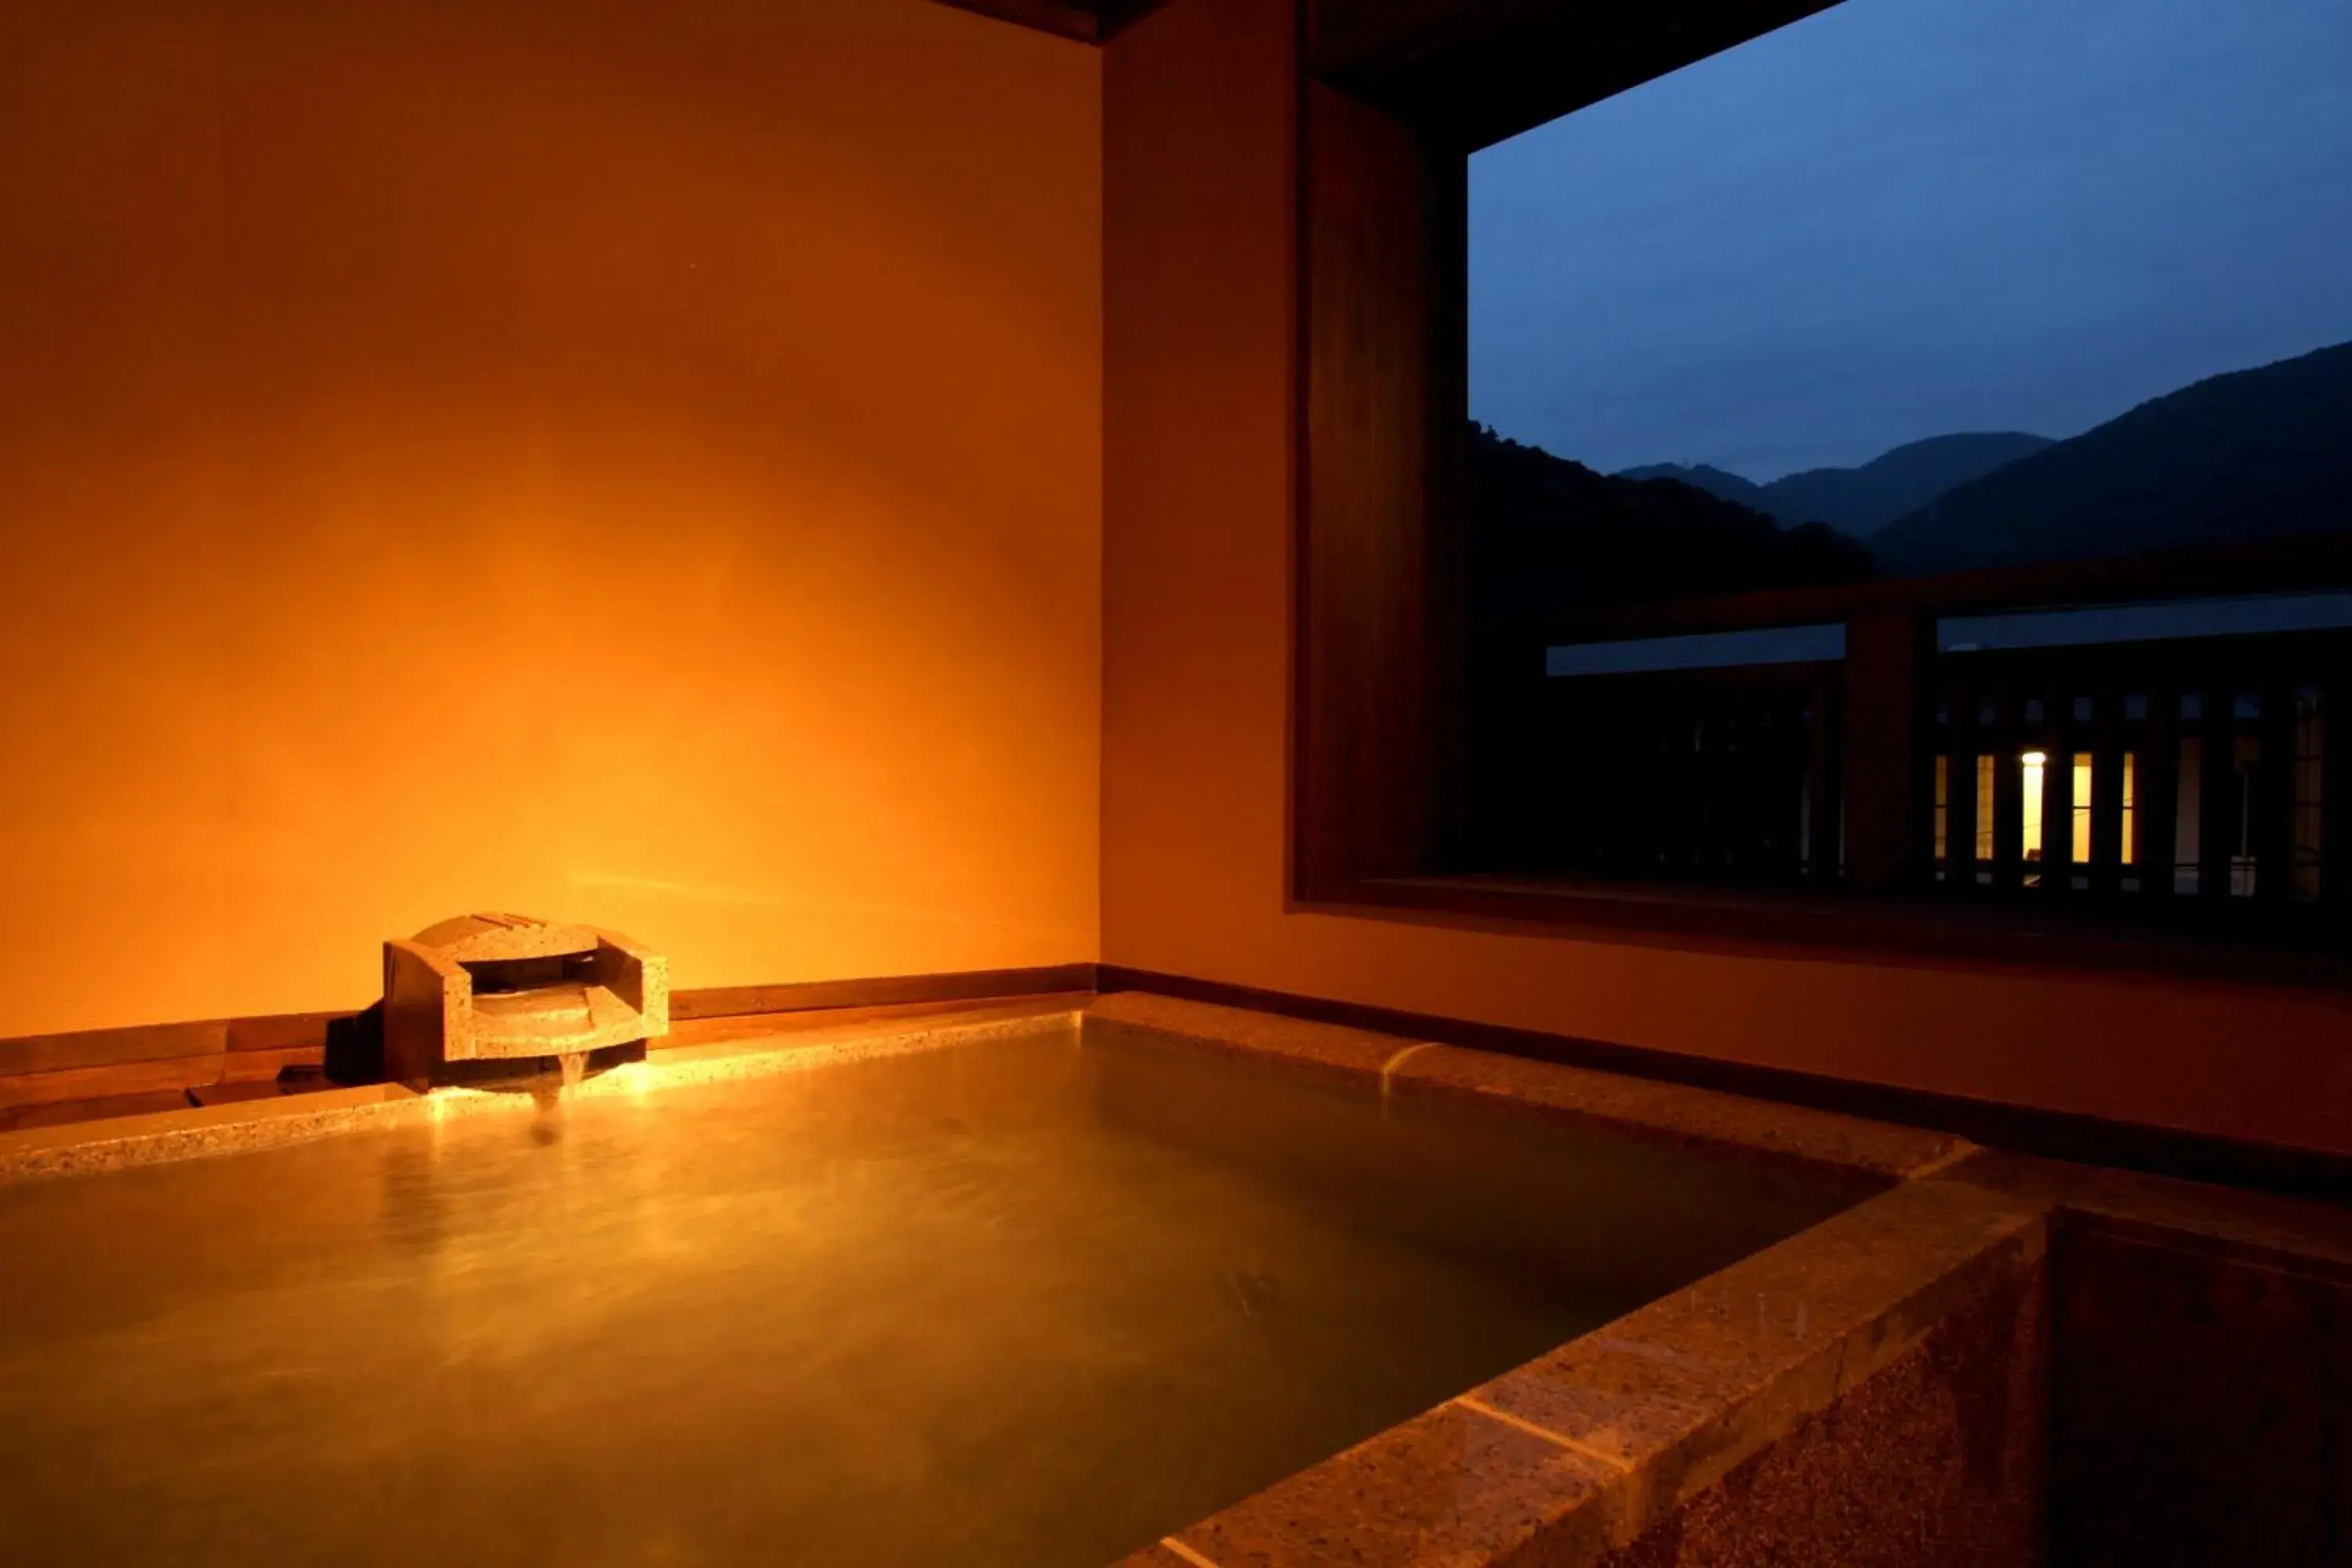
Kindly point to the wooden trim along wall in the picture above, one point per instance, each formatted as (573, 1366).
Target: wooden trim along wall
(886, 991)
(219, 1054)
(158, 1059)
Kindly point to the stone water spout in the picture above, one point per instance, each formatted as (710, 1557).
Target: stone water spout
(514, 988)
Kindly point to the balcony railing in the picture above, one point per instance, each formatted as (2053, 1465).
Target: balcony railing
(1722, 773)
(2193, 768)
(2149, 733)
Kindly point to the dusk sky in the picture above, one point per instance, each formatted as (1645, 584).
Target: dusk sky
(1904, 218)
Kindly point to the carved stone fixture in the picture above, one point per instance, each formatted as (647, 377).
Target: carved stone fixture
(492, 987)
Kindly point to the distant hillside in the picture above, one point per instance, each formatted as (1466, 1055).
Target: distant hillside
(1862, 500)
(1549, 534)
(2254, 454)
(1717, 482)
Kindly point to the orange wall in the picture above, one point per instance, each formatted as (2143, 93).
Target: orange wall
(1198, 465)
(628, 461)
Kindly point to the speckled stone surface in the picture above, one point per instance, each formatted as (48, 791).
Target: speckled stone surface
(1687, 1389)
(807, 1045)
(2299, 1233)
(1694, 1113)
(2202, 1408)
(1935, 1461)
(1394, 1065)
(1604, 1443)
(1324, 1049)
(1452, 1486)
(1158, 1555)
(192, 1134)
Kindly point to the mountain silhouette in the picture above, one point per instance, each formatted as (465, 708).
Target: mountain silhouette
(1860, 502)
(1547, 534)
(1720, 483)
(2252, 455)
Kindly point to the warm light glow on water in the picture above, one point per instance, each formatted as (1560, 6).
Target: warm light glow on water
(1026, 1302)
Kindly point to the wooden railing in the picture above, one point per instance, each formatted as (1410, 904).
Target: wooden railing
(2190, 768)
(2193, 771)
(1733, 775)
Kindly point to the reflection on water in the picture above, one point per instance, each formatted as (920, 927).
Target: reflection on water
(1025, 1303)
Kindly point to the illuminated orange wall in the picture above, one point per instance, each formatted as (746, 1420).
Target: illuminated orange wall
(1198, 455)
(636, 462)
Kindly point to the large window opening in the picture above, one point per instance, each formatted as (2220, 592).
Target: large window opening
(1913, 448)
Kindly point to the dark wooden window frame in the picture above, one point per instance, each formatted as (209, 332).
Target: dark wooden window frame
(1394, 96)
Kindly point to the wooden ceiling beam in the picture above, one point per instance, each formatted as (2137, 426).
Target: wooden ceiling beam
(1059, 18)
(1472, 72)
(1088, 21)
(1118, 13)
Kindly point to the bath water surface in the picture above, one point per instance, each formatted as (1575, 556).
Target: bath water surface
(1035, 1303)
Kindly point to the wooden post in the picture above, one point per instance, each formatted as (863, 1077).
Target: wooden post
(1886, 779)
(2157, 809)
(2007, 788)
(2107, 747)
(1960, 817)
(2273, 794)
(2216, 829)
(2335, 784)
(2057, 743)
(1824, 815)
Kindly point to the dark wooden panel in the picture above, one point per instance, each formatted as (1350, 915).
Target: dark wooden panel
(2273, 793)
(2335, 779)
(107, 1047)
(1824, 802)
(132, 1077)
(1476, 72)
(1383, 235)
(2159, 813)
(2217, 827)
(282, 1031)
(265, 1065)
(884, 990)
